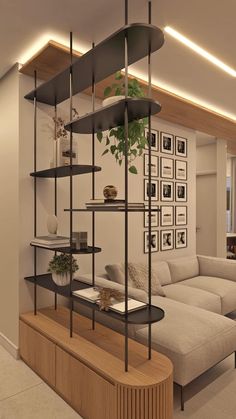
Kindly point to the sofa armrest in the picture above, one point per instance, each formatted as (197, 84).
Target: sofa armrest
(135, 293)
(217, 267)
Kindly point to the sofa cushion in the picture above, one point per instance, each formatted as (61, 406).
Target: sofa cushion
(115, 273)
(194, 296)
(163, 272)
(183, 268)
(194, 339)
(217, 267)
(139, 274)
(224, 288)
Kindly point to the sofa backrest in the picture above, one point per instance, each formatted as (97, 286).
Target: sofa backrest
(183, 268)
(218, 267)
(163, 272)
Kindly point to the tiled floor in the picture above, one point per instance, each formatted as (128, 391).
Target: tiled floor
(23, 395)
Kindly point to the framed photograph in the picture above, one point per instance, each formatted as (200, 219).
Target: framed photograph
(180, 192)
(167, 168)
(154, 217)
(167, 240)
(181, 146)
(181, 216)
(167, 216)
(154, 165)
(167, 143)
(154, 139)
(180, 170)
(153, 192)
(181, 238)
(167, 191)
(154, 241)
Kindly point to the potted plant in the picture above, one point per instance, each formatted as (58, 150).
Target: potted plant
(114, 139)
(60, 266)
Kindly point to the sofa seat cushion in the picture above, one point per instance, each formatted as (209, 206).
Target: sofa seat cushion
(194, 297)
(224, 288)
(194, 339)
(183, 268)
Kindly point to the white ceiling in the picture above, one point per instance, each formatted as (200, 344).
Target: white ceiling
(203, 139)
(209, 23)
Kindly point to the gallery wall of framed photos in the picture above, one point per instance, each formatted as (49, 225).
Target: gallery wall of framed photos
(169, 191)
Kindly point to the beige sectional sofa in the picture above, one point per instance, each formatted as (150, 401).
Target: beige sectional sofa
(194, 334)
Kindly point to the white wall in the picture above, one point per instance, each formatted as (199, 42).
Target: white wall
(9, 206)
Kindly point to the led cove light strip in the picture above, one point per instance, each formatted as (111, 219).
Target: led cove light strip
(196, 48)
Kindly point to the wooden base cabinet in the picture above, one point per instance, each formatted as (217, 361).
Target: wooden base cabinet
(87, 370)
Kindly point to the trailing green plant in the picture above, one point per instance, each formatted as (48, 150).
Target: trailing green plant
(60, 264)
(114, 139)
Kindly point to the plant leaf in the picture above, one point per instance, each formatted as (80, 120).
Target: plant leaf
(118, 75)
(133, 170)
(113, 149)
(107, 91)
(105, 152)
(99, 136)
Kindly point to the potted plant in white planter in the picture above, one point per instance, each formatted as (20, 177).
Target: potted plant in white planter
(59, 267)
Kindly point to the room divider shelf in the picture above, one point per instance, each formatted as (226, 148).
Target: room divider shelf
(101, 62)
(110, 210)
(146, 315)
(113, 115)
(90, 250)
(65, 171)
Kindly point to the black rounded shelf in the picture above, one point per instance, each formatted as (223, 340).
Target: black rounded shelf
(142, 39)
(65, 171)
(87, 251)
(113, 115)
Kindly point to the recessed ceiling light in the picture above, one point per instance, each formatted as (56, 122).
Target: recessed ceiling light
(199, 50)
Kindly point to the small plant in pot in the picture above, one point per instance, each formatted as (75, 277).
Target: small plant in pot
(114, 139)
(59, 266)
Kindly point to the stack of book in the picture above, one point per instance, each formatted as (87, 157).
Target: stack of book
(118, 204)
(51, 242)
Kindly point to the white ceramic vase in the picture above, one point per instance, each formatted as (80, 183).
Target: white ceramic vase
(61, 279)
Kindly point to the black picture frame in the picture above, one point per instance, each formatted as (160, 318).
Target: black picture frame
(167, 143)
(177, 170)
(155, 234)
(178, 191)
(154, 139)
(163, 209)
(163, 233)
(181, 238)
(183, 208)
(156, 213)
(146, 196)
(181, 146)
(162, 162)
(163, 194)
(145, 165)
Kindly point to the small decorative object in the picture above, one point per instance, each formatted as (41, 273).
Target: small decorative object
(154, 139)
(105, 297)
(154, 165)
(181, 216)
(167, 191)
(181, 192)
(167, 240)
(167, 143)
(167, 168)
(181, 146)
(153, 242)
(80, 240)
(110, 192)
(181, 170)
(181, 238)
(60, 266)
(167, 216)
(62, 143)
(52, 225)
(154, 217)
(114, 139)
(153, 191)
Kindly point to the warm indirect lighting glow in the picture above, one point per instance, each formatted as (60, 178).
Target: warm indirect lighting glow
(199, 50)
(37, 45)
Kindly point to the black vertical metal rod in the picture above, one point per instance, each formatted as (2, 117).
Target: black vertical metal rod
(35, 192)
(55, 184)
(93, 192)
(126, 12)
(149, 195)
(126, 193)
(71, 182)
